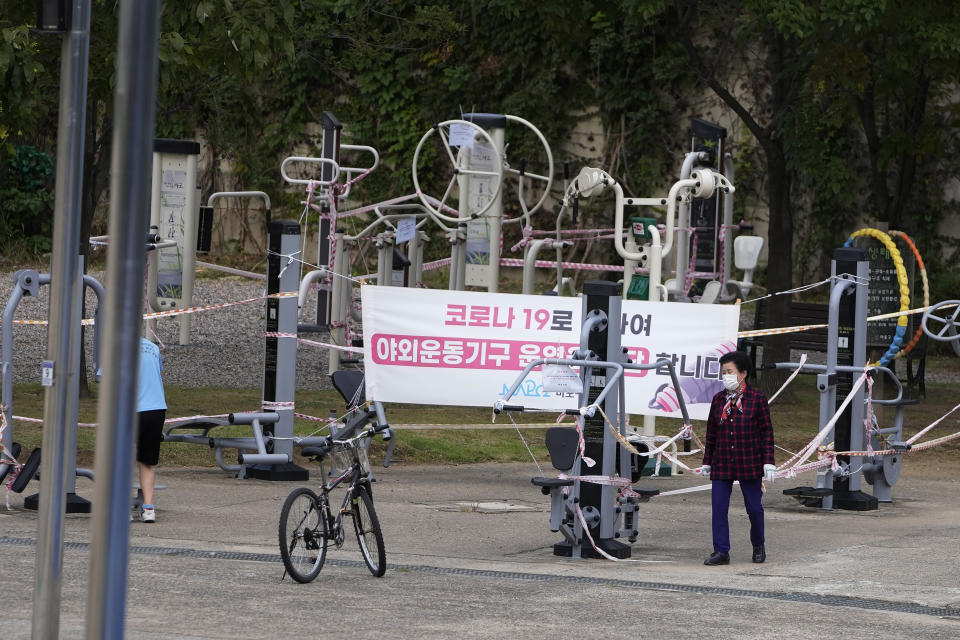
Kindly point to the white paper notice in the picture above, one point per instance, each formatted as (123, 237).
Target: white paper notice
(560, 378)
(461, 135)
(406, 229)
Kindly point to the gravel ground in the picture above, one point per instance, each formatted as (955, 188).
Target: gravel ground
(226, 347)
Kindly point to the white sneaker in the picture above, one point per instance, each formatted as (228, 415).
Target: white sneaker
(148, 515)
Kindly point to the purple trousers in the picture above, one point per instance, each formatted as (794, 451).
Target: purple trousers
(752, 500)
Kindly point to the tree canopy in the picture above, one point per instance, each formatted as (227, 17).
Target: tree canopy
(847, 110)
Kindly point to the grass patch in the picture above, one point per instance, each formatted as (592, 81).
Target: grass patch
(794, 425)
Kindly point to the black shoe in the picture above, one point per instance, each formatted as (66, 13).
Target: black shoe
(759, 554)
(717, 558)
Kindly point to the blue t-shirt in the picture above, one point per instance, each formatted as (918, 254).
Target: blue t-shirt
(150, 385)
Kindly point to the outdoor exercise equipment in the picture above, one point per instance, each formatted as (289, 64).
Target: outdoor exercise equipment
(267, 454)
(271, 445)
(478, 171)
(27, 283)
(943, 328)
(604, 507)
(321, 175)
(839, 487)
(702, 183)
(175, 211)
(708, 221)
(903, 283)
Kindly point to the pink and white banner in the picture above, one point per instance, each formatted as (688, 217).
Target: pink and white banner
(465, 348)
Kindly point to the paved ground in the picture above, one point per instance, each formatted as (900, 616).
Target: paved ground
(210, 567)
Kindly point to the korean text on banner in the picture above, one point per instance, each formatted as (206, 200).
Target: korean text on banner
(465, 348)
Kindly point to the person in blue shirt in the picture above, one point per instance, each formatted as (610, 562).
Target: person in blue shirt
(151, 413)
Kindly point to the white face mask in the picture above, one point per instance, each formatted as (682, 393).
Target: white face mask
(731, 381)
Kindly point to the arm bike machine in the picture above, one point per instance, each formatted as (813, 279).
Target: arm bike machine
(594, 512)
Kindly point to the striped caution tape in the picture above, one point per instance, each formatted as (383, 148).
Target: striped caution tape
(884, 316)
(211, 307)
(773, 332)
(593, 544)
(93, 425)
(314, 343)
(87, 425)
(180, 312)
(918, 435)
(305, 416)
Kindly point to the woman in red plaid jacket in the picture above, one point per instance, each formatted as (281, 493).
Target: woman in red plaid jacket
(739, 447)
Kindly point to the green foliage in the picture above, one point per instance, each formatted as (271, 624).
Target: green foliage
(26, 203)
(867, 117)
(871, 142)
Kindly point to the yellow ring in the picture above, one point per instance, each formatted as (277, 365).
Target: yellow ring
(891, 246)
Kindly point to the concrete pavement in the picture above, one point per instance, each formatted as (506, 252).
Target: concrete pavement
(469, 554)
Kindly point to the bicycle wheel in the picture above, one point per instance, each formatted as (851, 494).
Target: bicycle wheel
(303, 535)
(369, 536)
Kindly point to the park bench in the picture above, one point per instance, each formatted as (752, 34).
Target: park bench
(806, 313)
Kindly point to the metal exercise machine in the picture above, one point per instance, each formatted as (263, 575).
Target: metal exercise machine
(712, 217)
(294, 170)
(27, 283)
(267, 454)
(579, 508)
(702, 183)
(846, 357)
(479, 169)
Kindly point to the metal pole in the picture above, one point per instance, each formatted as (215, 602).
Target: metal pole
(58, 404)
(131, 171)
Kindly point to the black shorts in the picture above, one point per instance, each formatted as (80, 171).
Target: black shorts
(149, 435)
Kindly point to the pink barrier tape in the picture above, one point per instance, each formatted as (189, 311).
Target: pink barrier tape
(586, 530)
(86, 425)
(868, 416)
(211, 307)
(305, 416)
(581, 445)
(568, 232)
(931, 425)
(553, 243)
(436, 264)
(339, 189)
(323, 345)
(932, 443)
(549, 264)
(7, 457)
(803, 360)
(93, 425)
(688, 281)
(371, 207)
(784, 470)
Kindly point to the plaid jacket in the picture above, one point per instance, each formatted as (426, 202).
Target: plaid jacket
(737, 448)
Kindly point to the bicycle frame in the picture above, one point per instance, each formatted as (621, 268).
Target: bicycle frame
(355, 472)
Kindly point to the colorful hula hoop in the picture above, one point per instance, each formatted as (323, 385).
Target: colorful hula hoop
(926, 287)
(891, 246)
